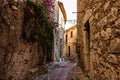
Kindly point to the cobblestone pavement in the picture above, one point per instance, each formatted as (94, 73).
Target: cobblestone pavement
(62, 72)
(56, 71)
(76, 74)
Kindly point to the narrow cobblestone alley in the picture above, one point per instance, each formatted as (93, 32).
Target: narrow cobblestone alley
(60, 40)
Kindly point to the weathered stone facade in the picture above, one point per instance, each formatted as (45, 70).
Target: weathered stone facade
(58, 43)
(59, 31)
(99, 38)
(70, 37)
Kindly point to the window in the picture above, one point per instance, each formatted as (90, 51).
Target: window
(66, 39)
(71, 34)
(69, 51)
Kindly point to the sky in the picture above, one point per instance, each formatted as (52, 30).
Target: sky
(70, 7)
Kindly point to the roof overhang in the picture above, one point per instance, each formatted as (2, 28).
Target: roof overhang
(63, 10)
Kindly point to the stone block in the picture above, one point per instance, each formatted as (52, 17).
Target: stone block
(106, 34)
(99, 51)
(111, 17)
(109, 32)
(117, 23)
(114, 11)
(97, 6)
(96, 16)
(117, 33)
(14, 8)
(118, 12)
(87, 16)
(103, 33)
(95, 46)
(97, 35)
(106, 5)
(103, 21)
(115, 46)
(112, 59)
(82, 7)
(91, 19)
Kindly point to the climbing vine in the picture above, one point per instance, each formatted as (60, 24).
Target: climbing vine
(38, 23)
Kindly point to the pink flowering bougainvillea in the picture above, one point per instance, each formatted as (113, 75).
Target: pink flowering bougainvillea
(49, 4)
(45, 9)
(50, 7)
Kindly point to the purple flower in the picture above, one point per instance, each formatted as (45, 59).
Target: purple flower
(48, 17)
(49, 4)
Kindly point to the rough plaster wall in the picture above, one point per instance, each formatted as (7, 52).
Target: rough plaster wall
(17, 56)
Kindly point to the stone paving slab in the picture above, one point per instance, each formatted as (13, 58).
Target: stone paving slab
(61, 73)
(76, 74)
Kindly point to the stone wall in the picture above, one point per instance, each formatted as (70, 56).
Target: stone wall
(17, 56)
(102, 61)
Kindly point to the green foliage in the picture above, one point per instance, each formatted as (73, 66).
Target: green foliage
(43, 26)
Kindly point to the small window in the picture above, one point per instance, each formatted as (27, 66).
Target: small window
(69, 51)
(66, 39)
(71, 34)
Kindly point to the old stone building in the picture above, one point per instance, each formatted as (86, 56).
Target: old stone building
(59, 31)
(98, 45)
(70, 37)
